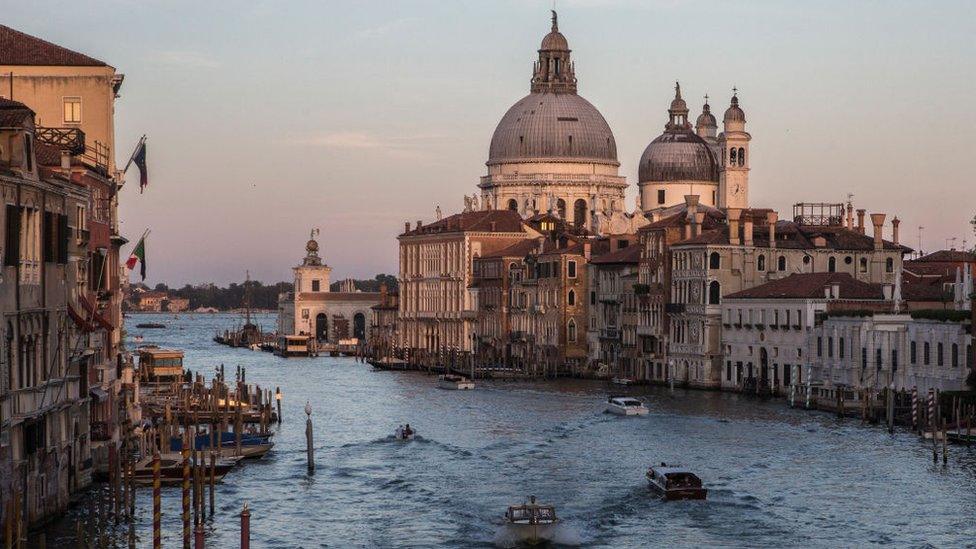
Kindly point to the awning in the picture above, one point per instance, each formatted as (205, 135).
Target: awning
(79, 320)
(100, 395)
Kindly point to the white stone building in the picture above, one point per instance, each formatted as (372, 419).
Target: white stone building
(313, 309)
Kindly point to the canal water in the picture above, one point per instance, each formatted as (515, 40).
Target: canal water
(776, 477)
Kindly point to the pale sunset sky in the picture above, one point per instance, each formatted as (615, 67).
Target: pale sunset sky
(266, 119)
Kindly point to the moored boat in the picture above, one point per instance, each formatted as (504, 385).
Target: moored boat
(675, 483)
(626, 406)
(171, 469)
(532, 523)
(454, 382)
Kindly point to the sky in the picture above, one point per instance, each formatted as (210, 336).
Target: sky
(266, 119)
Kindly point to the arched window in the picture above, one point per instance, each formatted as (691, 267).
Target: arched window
(742, 156)
(571, 331)
(761, 263)
(781, 263)
(571, 298)
(714, 293)
(561, 208)
(513, 204)
(732, 156)
(832, 264)
(579, 213)
(864, 264)
(714, 261)
(890, 265)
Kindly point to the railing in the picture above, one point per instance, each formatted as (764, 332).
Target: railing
(610, 333)
(71, 140)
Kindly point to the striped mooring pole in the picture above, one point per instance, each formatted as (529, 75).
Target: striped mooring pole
(187, 534)
(914, 407)
(157, 506)
(931, 418)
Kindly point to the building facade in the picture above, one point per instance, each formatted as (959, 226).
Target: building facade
(313, 309)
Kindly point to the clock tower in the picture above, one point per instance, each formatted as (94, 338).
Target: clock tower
(734, 167)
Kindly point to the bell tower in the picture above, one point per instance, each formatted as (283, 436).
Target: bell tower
(735, 155)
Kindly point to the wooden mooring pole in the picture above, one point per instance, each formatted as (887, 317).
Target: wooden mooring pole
(309, 448)
(157, 504)
(245, 527)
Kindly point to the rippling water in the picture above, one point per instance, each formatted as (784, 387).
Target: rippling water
(776, 476)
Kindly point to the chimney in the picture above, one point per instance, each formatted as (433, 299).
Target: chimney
(419, 224)
(691, 207)
(542, 245)
(406, 227)
(699, 220)
(894, 229)
(66, 162)
(493, 226)
(688, 231)
(860, 221)
(733, 215)
(835, 290)
(747, 231)
(771, 219)
(828, 292)
(887, 290)
(850, 216)
(587, 249)
(878, 221)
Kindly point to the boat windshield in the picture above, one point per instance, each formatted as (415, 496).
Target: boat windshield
(682, 480)
(531, 514)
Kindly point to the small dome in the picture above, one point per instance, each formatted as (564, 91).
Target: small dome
(553, 126)
(678, 155)
(734, 113)
(678, 104)
(554, 41)
(706, 119)
(312, 246)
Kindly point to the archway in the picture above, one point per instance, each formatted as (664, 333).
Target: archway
(321, 327)
(561, 208)
(714, 293)
(513, 204)
(359, 326)
(579, 213)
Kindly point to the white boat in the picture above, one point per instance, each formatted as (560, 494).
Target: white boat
(622, 381)
(626, 406)
(674, 483)
(454, 382)
(532, 523)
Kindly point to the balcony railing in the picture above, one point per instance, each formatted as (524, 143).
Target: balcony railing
(610, 333)
(71, 140)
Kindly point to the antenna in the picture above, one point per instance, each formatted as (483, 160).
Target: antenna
(951, 243)
(920, 240)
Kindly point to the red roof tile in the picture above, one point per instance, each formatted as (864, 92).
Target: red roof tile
(18, 48)
(948, 256)
(628, 255)
(505, 221)
(811, 286)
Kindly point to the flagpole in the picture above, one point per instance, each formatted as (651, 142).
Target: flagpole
(144, 235)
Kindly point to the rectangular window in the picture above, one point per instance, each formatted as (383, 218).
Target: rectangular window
(787, 373)
(728, 370)
(315, 285)
(878, 358)
(864, 357)
(72, 110)
(913, 352)
(926, 354)
(830, 347)
(660, 196)
(819, 346)
(571, 269)
(840, 348)
(894, 360)
(28, 153)
(939, 355)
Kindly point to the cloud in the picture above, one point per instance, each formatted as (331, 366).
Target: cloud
(388, 27)
(401, 146)
(185, 59)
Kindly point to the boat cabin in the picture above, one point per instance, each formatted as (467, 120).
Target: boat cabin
(531, 514)
(293, 345)
(157, 364)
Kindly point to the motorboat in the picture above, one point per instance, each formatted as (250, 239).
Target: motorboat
(454, 382)
(675, 483)
(532, 523)
(626, 406)
(171, 469)
(404, 434)
(622, 381)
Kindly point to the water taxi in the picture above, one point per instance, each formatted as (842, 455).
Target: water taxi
(532, 523)
(454, 382)
(626, 406)
(404, 434)
(675, 483)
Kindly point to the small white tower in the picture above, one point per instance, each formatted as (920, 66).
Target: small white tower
(312, 276)
(734, 174)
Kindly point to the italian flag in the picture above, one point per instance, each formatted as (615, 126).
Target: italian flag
(138, 255)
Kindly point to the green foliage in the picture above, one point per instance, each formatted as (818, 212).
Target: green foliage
(945, 315)
(372, 285)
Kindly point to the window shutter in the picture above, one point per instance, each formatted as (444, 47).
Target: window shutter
(63, 234)
(47, 236)
(12, 245)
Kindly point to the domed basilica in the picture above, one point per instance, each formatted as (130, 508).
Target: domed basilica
(553, 152)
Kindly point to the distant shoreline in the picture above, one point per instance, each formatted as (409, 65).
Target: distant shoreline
(236, 311)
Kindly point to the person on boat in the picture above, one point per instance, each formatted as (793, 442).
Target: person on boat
(399, 432)
(407, 431)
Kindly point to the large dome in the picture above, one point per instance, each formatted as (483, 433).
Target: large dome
(557, 127)
(678, 155)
